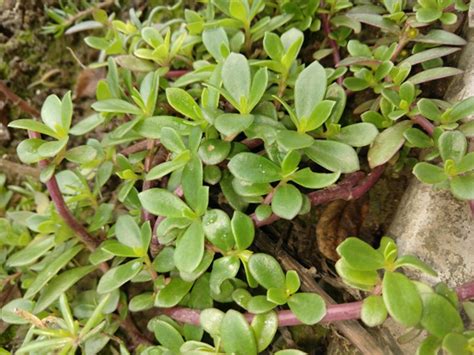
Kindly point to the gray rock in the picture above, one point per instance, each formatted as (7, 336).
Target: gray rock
(432, 224)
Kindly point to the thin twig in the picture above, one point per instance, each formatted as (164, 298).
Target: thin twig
(325, 20)
(12, 168)
(87, 12)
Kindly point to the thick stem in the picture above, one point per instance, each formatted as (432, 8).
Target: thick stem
(347, 189)
(421, 121)
(87, 12)
(335, 313)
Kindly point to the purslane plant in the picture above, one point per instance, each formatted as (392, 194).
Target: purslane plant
(215, 125)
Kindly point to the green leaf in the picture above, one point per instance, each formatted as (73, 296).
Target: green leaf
(173, 293)
(259, 85)
(114, 247)
(167, 335)
(452, 145)
(190, 248)
(196, 195)
(133, 63)
(334, 156)
(128, 232)
(356, 84)
(53, 148)
(51, 113)
(434, 74)
(116, 106)
(466, 164)
(223, 269)
(32, 252)
(231, 124)
(357, 135)
(417, 138)
(309, 308)
(413, 262)
(429, 109)
(429, 346)
(216, 42)
(82, 154)
(161, 202)
(310, 88)
(264, 327)
(60, 284)
(292, 281)
(360, 255)
(426, 15)
(267, 271)
(291, 140)
(217, 228)
(214, 151)
(119, 275)
(236, 77)
(158, 171)
(462, 109)
(236, 334)
(462, 186)
(439, 316)
(387, 144)
(172, 140)
(287, 201)
(305, 177)
(254, 168)
(430, 54)
(320, 114)
(429, 173)
(259, 304)
(406, 310)
(184, 103)
(211, 319)
(373, 311)
(437, 36)
(141, 302)
(273, 46)
(164, 262)
(363, 279)
(28, 150)
(9, 315)
(243, 230)
(456, 344)
(34, 126)
(51, 270)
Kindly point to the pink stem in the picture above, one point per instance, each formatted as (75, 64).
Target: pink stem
(334, 313)
(347, 189)
(173, 74)
(335, 48)
(421, 121)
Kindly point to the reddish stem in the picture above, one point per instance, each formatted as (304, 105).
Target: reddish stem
(52, 185)
(335, 48)
(347, 189)
(335, 312)
(421, 121)
(135, 148)
(173, 74)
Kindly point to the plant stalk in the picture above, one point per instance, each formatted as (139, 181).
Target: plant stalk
(335, 312)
